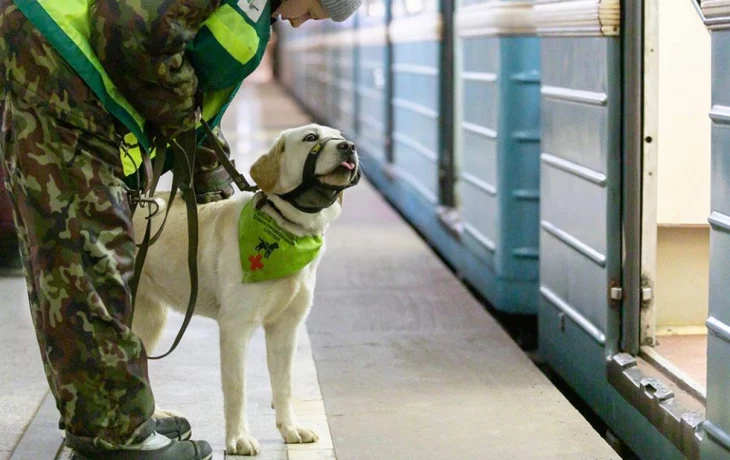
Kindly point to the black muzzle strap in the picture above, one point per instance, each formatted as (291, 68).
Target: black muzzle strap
(312, 195)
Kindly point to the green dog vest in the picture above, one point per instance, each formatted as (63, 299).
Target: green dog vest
(268, 251)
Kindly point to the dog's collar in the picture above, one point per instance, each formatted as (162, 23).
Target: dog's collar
(264, 200)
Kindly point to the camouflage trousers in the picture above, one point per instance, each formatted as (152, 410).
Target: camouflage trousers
(60, 151)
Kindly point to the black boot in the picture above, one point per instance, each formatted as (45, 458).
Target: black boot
(155, 447)
(176, 428)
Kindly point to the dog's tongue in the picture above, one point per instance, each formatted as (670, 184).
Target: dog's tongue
(347, 165)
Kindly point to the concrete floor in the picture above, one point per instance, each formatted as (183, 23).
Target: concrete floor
(412, 367)
(405, 362)
(22, 382)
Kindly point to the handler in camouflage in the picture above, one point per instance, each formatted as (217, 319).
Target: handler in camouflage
(60, 150)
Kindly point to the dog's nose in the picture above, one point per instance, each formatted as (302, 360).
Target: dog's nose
(346, 146)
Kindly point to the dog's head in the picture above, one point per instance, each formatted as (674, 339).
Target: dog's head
(311, 155)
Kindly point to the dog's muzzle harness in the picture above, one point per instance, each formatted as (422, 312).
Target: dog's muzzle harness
(313, 195)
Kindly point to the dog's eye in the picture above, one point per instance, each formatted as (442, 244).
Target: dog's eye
(311, 138)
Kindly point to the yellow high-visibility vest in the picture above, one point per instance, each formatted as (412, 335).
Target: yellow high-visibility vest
(228, 47)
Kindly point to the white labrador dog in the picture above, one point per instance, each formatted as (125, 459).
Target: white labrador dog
(279, 305)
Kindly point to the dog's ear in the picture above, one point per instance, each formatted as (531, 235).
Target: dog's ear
(265, 172)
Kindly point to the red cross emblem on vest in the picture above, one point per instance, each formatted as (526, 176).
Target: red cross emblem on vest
(255, 262)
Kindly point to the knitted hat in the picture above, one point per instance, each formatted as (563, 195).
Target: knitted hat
(340, 10)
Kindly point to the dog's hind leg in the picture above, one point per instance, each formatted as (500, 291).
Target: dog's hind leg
(281, 340)
(150, 317)
(234, 342)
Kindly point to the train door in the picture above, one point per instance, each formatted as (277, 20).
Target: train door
(659, 364)
(497, 129)
(415, 35)
(590, 216)
(590, 181)
(580, 192)
(371, 92)
(676, 192)
(716, 443)
(340, 44)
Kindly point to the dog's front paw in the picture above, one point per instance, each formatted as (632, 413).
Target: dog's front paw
(243, 444)
(297, 435)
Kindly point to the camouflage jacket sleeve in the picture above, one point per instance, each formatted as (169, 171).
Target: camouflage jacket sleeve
(141, 44)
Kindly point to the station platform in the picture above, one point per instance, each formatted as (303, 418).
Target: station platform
(398, 361)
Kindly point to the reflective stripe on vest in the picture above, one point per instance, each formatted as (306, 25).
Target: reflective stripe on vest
(228, 48)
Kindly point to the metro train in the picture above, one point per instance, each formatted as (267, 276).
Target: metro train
(568, 159)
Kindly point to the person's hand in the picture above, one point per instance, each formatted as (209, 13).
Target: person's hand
(211, 181)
